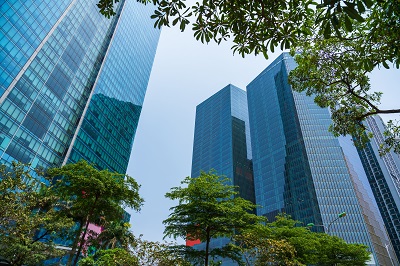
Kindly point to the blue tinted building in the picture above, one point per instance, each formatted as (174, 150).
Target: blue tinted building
(383, 173)
(299, 166)
(72, 82)
(222, 142)
(222, 139)
(376, 227)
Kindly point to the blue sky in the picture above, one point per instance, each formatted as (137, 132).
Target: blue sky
(185, 73)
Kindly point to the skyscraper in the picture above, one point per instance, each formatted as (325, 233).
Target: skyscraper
(299, 166)
(72, 82)
(383, 174)
(222, 139)
(222, 142)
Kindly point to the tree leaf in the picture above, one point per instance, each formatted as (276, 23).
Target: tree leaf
(348, 24)
(353, 13)
(327, 31)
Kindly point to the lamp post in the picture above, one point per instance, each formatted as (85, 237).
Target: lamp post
(327, 228)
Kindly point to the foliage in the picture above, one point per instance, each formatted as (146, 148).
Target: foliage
(110, 257)
(208, 208)
(335, 70)
(338, 42)
(30, 216)
(114, 234)
(284, 242)
(143, 252)
(260, 248)
(92, 194)
(151, 253)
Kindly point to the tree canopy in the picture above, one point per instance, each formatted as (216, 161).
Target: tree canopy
(31, 216)
(285, 242)
(336, 43)
(208, 207)
(92, 195)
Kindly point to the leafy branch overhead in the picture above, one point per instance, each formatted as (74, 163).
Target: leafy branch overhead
(359, 35)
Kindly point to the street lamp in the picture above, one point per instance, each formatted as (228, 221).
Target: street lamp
(340, 215)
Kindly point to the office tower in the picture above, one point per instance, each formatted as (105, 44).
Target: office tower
(222, 142)
(72, 82)
(383, 174)
(372, 217)
(222, 139)
(299, 166)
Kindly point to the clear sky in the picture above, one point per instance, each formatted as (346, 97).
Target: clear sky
(185, 73)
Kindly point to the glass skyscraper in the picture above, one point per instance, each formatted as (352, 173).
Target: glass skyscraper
(222, 142)
(72, 82)
(299, 167)
(222, 139)
(383, 174)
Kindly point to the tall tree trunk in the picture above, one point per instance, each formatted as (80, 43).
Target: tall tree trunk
(207, 246)
(74, 245)
(82, 242)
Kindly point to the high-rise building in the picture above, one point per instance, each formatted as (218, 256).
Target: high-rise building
(299, 166)
(372, 217)
(222, 139)
(383, 173)
(72, 82)
(222, 142)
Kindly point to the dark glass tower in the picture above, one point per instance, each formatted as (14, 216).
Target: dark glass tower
(222, 139)
(222, 142)
(299, 166)
(72, 82)
(383, 174)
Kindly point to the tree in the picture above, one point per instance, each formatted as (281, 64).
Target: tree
(285, 242)
(151, 253)
(30, 216)
(209, 208)
(115, 234)
(335, 70)
(91, 194)
(337, 42)
(110, 257)
(259, 248)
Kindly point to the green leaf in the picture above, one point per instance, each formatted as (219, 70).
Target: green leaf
(368, 3)
(353, 13)
(327, 31)
(385, 65)
(348, 24)
(360, 6)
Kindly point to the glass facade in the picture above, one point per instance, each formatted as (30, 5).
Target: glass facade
(384, 177)
(222, 142)
(379, 237)
(299, 167)
(72, 82)
(222, 139)
(107, 132)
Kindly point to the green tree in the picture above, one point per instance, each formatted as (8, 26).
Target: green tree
(209, 208)
(110, 257)
(260, 248)
(30, 216)
(151, 253)
(313, 248)
(114, 234)
(337, 44)
(91, 194)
